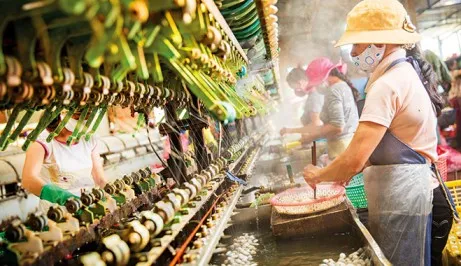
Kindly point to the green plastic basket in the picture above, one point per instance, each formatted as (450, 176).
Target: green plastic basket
(355, 191)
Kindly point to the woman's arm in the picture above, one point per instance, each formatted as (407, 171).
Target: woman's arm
(325, 131)
(315, 122)
(315, 119)
(334, 110)
(98, 170)
(31, 179)
(295, 130)
(353, 160)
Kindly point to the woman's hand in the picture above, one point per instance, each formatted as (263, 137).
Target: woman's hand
(306, 138)
(284, 131)
(311, 175)
(98, 169)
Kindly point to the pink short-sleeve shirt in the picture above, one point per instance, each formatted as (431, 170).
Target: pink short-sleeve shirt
(398, 100)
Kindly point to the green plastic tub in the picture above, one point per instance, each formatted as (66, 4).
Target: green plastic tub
(355, 191)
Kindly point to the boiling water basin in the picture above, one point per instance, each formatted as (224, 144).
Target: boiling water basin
(303, 249)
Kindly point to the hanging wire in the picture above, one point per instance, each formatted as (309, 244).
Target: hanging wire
(192, 155)
(175, 153)
(221, 136)
(146, 116)
(175, 149)
(197, 143)
(227, 138)
(201, 119)
(220, 140)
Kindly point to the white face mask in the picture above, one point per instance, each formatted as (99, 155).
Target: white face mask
(71, 124)
(370, 58)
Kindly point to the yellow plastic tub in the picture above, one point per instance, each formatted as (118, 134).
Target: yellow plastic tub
(452, 253)
(455, 189)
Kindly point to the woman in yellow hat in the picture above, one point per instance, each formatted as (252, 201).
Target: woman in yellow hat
(410, 210)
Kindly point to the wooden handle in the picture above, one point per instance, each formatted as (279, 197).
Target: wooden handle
(314, 153)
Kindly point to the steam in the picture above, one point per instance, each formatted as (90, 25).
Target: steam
(308, 29)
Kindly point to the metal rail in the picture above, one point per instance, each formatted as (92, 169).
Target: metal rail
(206, 252)
(376, 253)
(233, 165)
(166, 240)
(252, 163)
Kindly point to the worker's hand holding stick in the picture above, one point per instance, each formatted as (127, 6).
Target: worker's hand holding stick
(311, 176)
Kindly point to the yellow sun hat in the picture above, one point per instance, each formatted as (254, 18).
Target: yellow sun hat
(379, 22)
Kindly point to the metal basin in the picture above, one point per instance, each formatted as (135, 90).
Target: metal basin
(302, 245)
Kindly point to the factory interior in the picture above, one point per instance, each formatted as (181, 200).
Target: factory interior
(230, 132)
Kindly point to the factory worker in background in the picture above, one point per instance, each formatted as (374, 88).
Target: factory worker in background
(339, 111)
(298, 81)
(410, 214)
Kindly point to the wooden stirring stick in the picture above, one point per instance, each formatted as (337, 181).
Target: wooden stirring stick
(314, 162)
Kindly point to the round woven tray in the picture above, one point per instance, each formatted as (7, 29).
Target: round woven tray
(298, 201)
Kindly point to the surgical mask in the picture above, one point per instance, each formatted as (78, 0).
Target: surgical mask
(300, 93)
(71, 124)
(370, 58)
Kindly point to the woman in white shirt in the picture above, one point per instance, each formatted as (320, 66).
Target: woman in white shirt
(56, 172)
